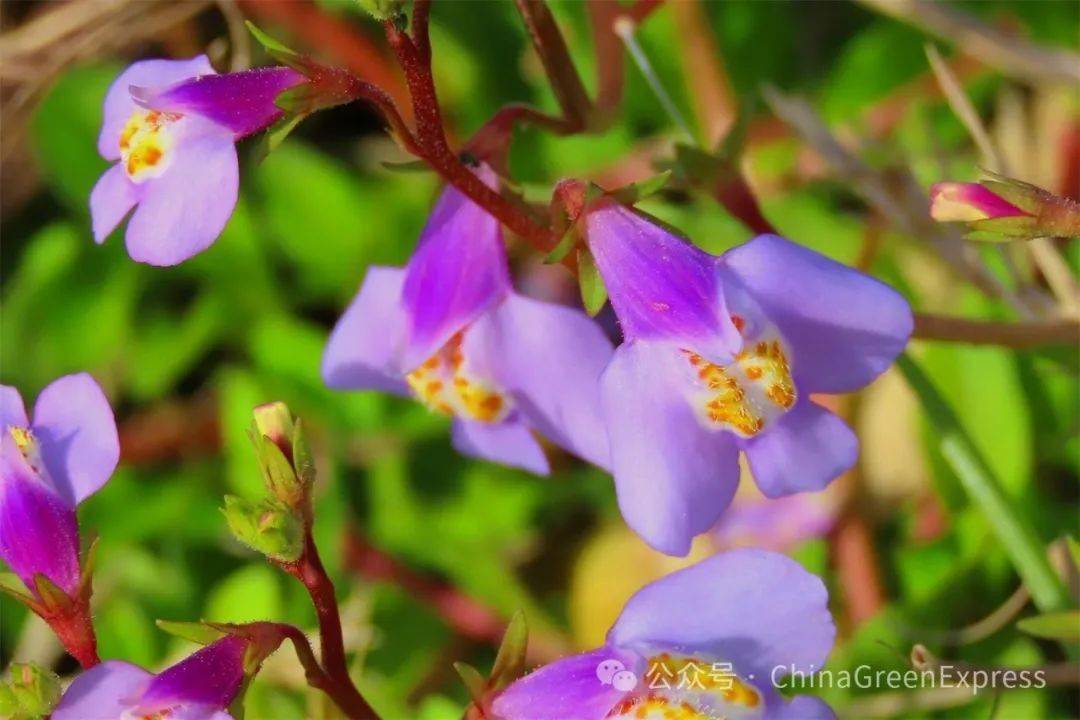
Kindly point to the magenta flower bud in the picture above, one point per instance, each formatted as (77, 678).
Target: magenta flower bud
(968, 202)
(199, 687)
(721, 357)
(47, 467)
(450, 331)
(708, 641)
(172, 126)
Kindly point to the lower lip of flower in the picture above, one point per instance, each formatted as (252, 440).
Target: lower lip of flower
(443, 384)
(682, 687)
(748, 394)
(146, 143)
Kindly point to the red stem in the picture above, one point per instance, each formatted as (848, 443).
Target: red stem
(310, 571)
(434, 149)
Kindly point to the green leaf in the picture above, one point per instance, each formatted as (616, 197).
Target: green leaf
(593, 291)
(1013, 531)
(1063, 626)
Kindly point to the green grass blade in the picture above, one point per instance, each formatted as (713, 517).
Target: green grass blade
(1014, 531)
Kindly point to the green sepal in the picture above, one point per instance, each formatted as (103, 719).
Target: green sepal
(275, 135)
(472, 679)
(53, 598)
(11, 584)
(1062, 626)
(197, 632)
(268, 526)
(303, 460)
(277, 49)
(381, 10)
(510, 661)
(30, 691)
(558, 253)
(636, 192)
(591, 285)
(278, 474)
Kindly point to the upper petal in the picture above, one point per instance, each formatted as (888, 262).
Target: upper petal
(457, 272)
(12, 411)
(103, 692)
(509, 443)
(241, 101)
(210, 677)
(661, 286)
(111, 199)
(184, 211)
(844, 327)
(567, 689)
(672, 475)
(805, 449)
(550, 358)
(364, 350)
(77, 433)
(754, 608)
(119, 104)
(38, 530)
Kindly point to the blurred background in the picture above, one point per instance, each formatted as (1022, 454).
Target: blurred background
(431, 552)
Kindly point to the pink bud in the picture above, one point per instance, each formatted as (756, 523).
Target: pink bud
(968, 202)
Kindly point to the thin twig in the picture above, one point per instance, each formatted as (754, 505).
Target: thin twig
(984, 627)
(1011, 55)
(548, 41)
(1018, 335)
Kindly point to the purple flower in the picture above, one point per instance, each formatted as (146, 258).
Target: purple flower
(173, 125)
(707, 641)
(449, 331)
(200, 687)
(721, 356)
(47, 467)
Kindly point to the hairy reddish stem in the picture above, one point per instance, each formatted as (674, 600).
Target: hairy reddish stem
(339, 686)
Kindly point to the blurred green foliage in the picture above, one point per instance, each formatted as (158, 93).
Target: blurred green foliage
(245, 323)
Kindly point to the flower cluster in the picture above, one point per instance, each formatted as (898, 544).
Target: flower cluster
(718, 357)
